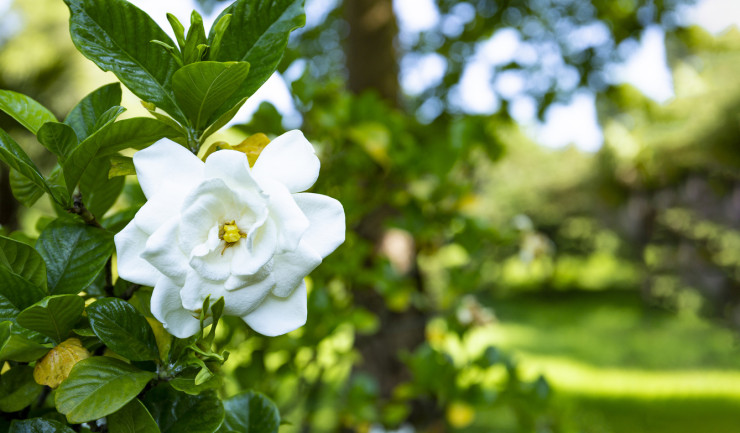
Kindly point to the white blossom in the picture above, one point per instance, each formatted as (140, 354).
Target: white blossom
(225, 229)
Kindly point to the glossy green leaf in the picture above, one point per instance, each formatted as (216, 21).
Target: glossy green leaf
(178, 29)
(99, 192)
(53, 316)
(132, 418)
(16, 158)
(23, 345)
(201, 88)
(74, 254)
(257, 34)
(25, 110)
(86, 151)
(177, 412)
(123, 329)
(135, 133)
(4, 333)
(99, 386)
(218, 33)
(23, 260)
(18, 389)
(16, 294)
(59, 138)
(39, 425)
(185, 382)
(86, 113)
(250, 412)
(24, 190)
(102, 31)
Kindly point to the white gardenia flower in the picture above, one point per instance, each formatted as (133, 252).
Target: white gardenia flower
(221, 228)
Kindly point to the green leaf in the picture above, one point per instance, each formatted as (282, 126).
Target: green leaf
(109, 116)
(176, 412)
(250, 412)
(23, 345)
(24, 190)
(25, 110)
(201, 88)
(123, 329)
(222, 120)
(16, 158)
(18, 389)
(99, 192)
(16, 294)
(218, 33)
(23, 260)
(4, 333)
(121, 166)
(185, 382)
(53, 316)
(258, 34)
(135, 133)
(39, 425)
(132, 418)
(86, 113)
(178, 29)
(74, 254)
(196, 36)
(115, 35)
(59, 138)
(99, 386)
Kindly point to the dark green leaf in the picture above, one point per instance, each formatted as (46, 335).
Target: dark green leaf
(18, 389)
(53, 316)
(258, 34)
(250, 412)
(99, 192)
(16, 294)
(59, 138)
(39, 425)
(176, 412)
(74, 254)
(24, 345)
(185, 382)
(201, 88)
(16, 158)
(115, 35)
(25, 110)
(109, 116)
(132, 418)
(86, 113)
(23, 260)
(99, 386)
(218, 33)
(4, 333)
(123, 329)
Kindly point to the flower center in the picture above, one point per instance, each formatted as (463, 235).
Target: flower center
(230, 233)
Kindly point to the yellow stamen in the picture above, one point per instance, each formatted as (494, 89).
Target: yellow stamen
(231, 234)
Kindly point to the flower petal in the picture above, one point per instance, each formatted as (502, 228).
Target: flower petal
(167, 166)
(130, 244)
(289, 159)
(258, 249)
(232, 167)
(237, 303)
(156, 211)
(326, 215)
(167, 308)
(278, 316)
(289, 219)
(291, 267)
(163, 251)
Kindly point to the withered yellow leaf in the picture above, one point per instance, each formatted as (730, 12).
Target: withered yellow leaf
(54, 368)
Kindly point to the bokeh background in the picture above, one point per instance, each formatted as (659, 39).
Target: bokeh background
(542, 199)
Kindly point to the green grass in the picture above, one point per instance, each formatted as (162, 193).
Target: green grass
(616, 365)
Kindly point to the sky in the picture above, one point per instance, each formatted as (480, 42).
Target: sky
(480, 91)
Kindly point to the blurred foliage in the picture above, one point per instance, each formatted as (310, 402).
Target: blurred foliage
(489, 235)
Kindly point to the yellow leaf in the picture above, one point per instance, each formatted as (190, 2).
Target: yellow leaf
(54, 368)
(215, 146)
(253, 146)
